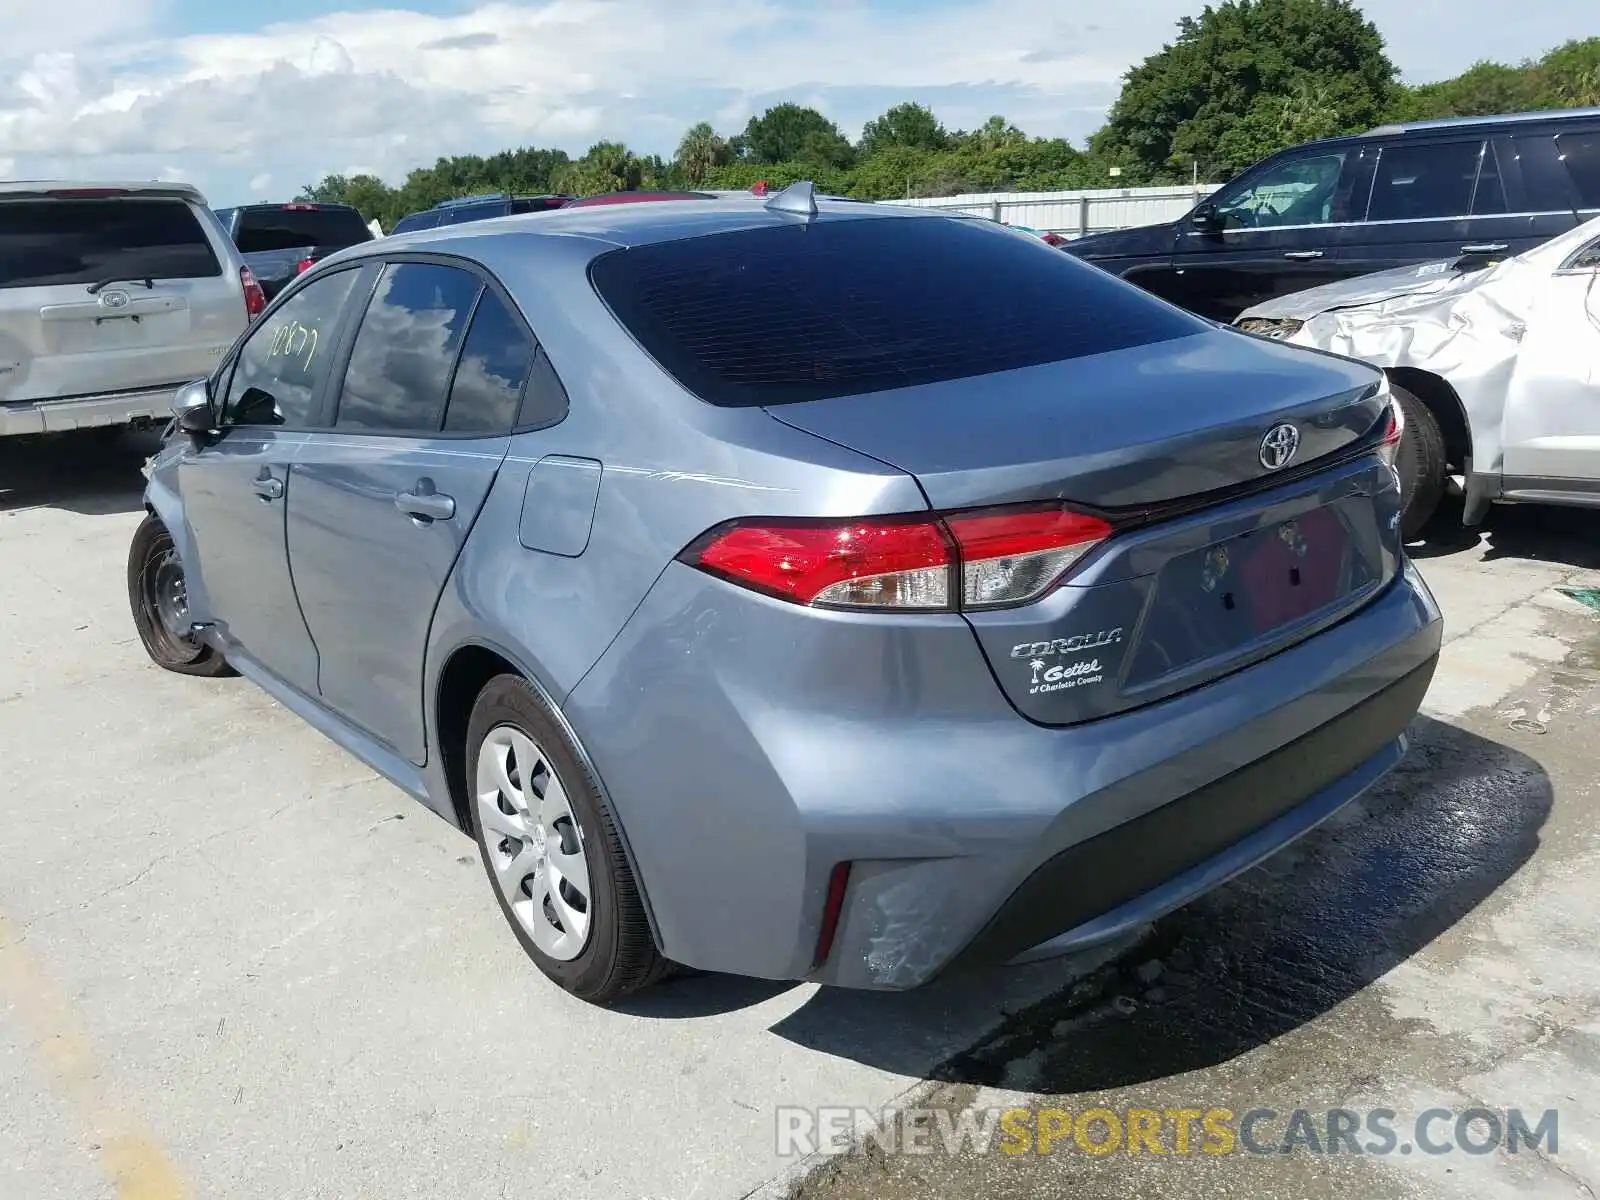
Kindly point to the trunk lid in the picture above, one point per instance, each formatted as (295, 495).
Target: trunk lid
(1141, 426)
(1218, 561)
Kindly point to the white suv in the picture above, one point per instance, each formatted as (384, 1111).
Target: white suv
(111, 297)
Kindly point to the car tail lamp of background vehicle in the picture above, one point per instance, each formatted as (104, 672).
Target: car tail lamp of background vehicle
(255, 300)
(304, 265)
(989, 558)
(1393, 431)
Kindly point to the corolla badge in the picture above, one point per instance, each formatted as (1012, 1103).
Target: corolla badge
(1278, 446)
(114, 299)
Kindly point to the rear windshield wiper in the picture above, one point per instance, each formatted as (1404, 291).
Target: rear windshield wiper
(149, 283)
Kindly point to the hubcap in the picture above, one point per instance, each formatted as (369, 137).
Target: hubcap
(534, 842)
(170, 594)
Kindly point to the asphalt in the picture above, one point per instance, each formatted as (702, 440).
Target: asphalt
(233, 963)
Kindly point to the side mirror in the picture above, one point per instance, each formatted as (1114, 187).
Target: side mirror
(191, 407)
(1206, 219)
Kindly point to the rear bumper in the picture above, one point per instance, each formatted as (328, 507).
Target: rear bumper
(744, 761)
(1119, 880)
(86, 412)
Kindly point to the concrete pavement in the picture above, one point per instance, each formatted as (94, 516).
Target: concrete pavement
(233, 963)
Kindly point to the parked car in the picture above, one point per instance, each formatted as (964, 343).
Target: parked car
(112, 295)
(477, 208)
(1397, 195)
(280, 241)
(710, 565)
(1493, 366)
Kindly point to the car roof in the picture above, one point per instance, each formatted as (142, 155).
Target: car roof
(1518, 118)
(66, 189)
(628, 225)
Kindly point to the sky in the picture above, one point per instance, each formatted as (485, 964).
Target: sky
(250, 101)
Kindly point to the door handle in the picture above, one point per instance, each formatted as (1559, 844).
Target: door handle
(267, 487)
(1302, 255)
(426, 503)
(1485, 248)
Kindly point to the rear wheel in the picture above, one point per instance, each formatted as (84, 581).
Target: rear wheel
(551, 849)
(1421, 464)
(158, 594)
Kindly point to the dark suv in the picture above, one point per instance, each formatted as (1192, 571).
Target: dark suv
(477, 208)
(1398, 194)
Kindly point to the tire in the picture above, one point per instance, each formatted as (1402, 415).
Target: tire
(539, 836)
(156, 592)
(1420, 464)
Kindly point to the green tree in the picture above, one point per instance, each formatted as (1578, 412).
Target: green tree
(793, 133)
(908, 126)
(1571, 74)
(1200, 99)
(606, 167)
(701, 150)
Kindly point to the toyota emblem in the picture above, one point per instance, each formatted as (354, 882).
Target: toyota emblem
(1278, 446)
(114, 299)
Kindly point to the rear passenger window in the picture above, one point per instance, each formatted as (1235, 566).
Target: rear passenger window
(494, 366)
(1544, 178)
(401, 361)
(1580, 152)
(285, 359)
(1418, 183)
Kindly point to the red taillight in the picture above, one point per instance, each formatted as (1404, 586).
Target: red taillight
(871, 562)
(1012, 556)
(1393, 431)
(975, 559)
(832, 909)
(304, 265)
(255, 300)
(86, 193)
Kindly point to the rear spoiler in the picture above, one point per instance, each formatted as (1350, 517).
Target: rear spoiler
(49, 190)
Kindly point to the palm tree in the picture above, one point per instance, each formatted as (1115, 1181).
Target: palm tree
(701, 150)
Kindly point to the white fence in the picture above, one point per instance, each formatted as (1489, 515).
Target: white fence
(1075, 213)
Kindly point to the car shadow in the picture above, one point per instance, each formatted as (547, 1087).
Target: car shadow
(93, 473)
(1269, 952)
(1535, 532)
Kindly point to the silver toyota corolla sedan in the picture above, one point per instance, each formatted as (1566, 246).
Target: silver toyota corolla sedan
(798, 589)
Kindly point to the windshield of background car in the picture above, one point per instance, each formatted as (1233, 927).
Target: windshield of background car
(807, 311)
(292, 228)
(44, 242)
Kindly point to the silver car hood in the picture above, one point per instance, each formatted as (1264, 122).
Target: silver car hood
(1360, 289)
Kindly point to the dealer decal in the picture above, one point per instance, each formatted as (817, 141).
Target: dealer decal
(1059, 678)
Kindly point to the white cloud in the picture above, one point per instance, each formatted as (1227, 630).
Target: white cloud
(92, 87)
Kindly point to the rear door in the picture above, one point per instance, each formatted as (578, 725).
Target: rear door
(1434, 200)
(382, 502)
(1552, 420)
(1279, 234)
(110, 293)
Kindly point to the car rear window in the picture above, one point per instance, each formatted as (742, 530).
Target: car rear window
(839, 307)
(290, 228)
(44, 242)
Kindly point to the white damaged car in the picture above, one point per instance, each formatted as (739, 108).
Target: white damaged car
(1497, 369)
